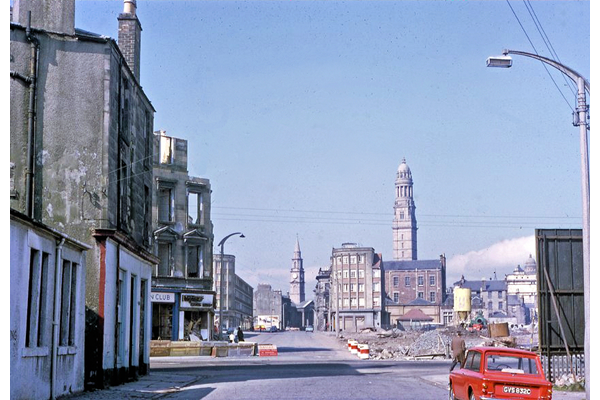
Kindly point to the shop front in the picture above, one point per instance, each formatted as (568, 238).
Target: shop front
(182, 315)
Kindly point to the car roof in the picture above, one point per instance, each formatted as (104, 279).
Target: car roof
(503, 350)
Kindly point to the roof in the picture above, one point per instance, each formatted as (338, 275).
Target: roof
(490, 285)
(415, 315)
(411, 265)
(420, 302)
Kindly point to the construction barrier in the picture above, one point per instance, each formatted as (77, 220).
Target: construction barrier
(241, 349)
(350, 344)
(267, 350)
(363, 351)
(220, 349)
(354, 347)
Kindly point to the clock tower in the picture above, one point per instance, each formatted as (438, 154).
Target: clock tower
(297, 294)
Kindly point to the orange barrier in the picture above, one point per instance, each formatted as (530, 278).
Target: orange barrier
(267, 350)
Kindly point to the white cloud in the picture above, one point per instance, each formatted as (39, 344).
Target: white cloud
(501, 257)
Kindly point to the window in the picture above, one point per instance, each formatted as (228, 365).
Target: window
(68, 305)
(361, 287)
(420, 280)
(432, 297)
(432, 280)
(352, 274)
(361, 302)
(499, 294)
(352, 287)
(473, 361)
(420, 295)
(512, 364)
(195, 208)
(376, 287)
(407, 281)
(376, 273)
(345, 274)
(396, 297)
(166, 149)
(396, 281)
(500, 305)
(164, 254)
(361, 273)
(490, 306)
(165, 204)
(195, 261)
(37, 299)
(345, 287)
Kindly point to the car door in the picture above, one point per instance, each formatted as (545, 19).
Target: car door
(473, 374)
(469, 375)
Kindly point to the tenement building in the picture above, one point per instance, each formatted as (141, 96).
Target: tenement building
(268, 311)
(237, 294)
(182, 282)
(80, 151)
(356, 293)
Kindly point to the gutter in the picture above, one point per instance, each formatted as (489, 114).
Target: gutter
(31, 117)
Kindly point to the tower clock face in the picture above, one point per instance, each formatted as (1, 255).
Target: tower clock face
(294, 275)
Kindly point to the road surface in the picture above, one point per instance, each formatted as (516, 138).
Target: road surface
(308, 366)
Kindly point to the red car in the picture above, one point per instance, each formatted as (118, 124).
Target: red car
(499, 373)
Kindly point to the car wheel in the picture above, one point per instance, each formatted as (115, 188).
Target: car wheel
(451, 392)
(472, 396)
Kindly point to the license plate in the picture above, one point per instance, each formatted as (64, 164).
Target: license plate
(516, 390)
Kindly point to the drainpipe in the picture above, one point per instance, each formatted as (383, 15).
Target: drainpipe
(55, 322)
(31, 115)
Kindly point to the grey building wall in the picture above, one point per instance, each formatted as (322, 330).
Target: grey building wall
(92, 133)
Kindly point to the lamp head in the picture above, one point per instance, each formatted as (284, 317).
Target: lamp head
(499, 61)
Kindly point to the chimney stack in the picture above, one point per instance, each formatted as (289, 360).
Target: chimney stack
(130, 37)
(50, 15)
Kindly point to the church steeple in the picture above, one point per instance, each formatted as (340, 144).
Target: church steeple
(297, 294)
(405, 222)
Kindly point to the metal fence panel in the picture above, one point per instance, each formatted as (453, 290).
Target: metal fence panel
(560, 261)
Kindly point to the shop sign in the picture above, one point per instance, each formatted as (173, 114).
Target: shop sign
(160, 297)
(196, 300)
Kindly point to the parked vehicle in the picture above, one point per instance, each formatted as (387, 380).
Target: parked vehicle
(310, 328)
(273, 329)
(499, 373)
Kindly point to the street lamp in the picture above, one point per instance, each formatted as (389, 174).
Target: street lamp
(221, 297)
(580, 117)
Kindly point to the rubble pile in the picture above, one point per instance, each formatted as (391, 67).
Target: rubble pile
(409, 345)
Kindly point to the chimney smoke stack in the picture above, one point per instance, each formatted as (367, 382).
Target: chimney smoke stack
(130, 39)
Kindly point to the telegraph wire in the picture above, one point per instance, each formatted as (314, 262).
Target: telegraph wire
(536, 52)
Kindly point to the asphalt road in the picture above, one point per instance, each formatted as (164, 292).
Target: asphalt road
(308, 366)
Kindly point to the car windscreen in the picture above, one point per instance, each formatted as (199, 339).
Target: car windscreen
(512, 364)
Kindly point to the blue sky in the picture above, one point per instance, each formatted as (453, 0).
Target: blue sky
(299, 113)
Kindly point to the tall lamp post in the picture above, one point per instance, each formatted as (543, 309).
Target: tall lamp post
(580, 117)
(221, 296)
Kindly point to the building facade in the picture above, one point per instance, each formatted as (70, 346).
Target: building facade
(356, 288)
(415, 284)
(182, 282)
(521, 287)
(322, 300)
(47, 284)
(238, 295)
(268, 308)
(404, 227)
(81, 135)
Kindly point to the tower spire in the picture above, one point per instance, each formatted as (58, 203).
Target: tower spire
(297, 292)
